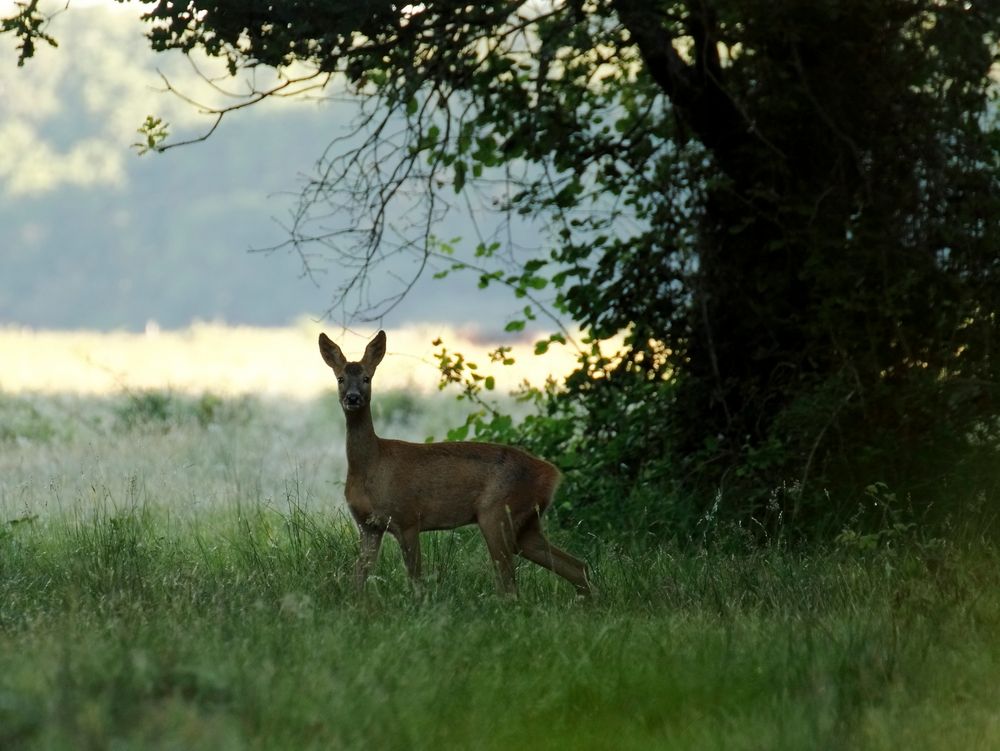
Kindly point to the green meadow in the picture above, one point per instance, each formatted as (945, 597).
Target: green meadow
(175, 573)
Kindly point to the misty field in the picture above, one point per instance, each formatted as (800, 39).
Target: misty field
(175, 573)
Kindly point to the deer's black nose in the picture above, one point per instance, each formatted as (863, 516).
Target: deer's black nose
(352, 400)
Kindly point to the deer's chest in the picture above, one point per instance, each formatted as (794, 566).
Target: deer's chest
(368, 501)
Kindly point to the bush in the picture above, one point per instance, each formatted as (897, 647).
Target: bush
(824, 466)
(161, 410)
(21, 420)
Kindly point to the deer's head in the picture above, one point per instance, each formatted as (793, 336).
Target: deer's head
(354, 379)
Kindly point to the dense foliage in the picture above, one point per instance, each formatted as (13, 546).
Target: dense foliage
(792, 210)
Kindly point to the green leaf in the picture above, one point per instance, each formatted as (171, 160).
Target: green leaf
(534, 265)
(487, 251)
(536, 282)
(486, 279)
(515, 325)
(502, 426)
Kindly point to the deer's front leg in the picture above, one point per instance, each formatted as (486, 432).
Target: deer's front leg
(409, 542)
(371, 541)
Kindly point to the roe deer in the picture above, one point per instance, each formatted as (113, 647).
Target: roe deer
(406, 488)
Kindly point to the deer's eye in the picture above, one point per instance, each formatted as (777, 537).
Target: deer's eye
(340, 379)
(366, 379)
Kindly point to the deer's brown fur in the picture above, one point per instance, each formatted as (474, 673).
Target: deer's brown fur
(406, 488)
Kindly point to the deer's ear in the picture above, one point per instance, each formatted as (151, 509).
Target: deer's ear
(332, 355)
(374, 352)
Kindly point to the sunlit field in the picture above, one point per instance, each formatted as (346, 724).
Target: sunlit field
(226, 360)
(175, 572)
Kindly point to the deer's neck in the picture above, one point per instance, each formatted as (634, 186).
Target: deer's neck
(362, 443)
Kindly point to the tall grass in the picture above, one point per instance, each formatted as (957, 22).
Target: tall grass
(131, 629)
(136, 612)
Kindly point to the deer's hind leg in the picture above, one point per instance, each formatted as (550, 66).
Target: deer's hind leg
(535, 546)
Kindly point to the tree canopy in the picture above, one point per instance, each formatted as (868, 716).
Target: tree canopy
(790, 207)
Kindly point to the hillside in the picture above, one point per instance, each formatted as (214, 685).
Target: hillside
(93, 236)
